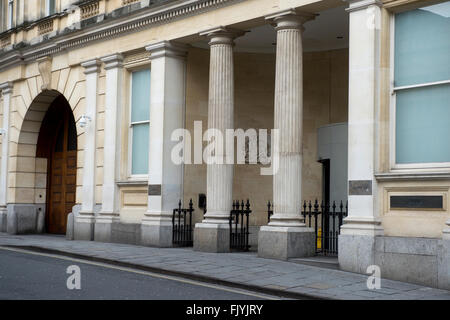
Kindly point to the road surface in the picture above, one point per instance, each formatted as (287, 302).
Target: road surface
(31, 275)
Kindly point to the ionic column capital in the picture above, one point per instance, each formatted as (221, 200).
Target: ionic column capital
(113, 61)
(167, 49)
(290, 19)
(222, 35)
(91, 66)
(6, 87)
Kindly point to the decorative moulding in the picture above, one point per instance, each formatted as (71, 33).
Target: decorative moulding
(142, 20)
(45, 69)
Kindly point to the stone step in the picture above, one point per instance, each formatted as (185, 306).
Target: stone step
(318, 261)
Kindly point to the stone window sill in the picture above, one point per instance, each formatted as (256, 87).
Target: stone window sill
(132, 183)
(409, 176)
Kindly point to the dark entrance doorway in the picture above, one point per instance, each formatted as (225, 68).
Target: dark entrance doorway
(326, 200)
(58, 144)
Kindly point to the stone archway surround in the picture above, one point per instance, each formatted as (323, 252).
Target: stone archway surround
(27, 174)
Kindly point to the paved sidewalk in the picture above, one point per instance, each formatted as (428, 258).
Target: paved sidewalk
(244, 270)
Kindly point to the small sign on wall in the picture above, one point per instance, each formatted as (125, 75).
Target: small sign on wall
(435, 202)
(360, 187)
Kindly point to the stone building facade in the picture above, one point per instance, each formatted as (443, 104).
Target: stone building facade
(92, 91)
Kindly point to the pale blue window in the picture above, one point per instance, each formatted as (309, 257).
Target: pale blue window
(10, 18)
(140, 116)
(421, 85)
(50, 7)
(2, 17)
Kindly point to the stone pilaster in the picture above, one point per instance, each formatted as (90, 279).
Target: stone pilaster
(212, 235)
(446, 231)
(113, 108)
(444, 258)
(286, 227)
(85, 220)
(167, 104)
(357, 239)
(6, 92)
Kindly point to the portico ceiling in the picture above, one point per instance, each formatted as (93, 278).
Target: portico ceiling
(328, 31)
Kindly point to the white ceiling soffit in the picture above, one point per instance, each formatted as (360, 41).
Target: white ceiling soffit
(328, 31)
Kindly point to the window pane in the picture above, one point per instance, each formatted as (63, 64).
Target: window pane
(140, 95)
(51, 9)
(2, 17)
(422, 45)
(10, 14)
(140, 149)
(423, 125)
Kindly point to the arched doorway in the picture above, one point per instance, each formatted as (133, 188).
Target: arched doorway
(57, 142)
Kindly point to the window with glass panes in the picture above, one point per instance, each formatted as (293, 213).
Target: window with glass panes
(50, 7)
(422, 85)
(10, 14)
(140, 121)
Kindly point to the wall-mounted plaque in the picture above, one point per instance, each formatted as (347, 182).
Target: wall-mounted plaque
(154, 189)
(417, 202)
(360, 187)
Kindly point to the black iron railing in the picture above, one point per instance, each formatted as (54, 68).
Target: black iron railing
(182, 225)
(326, 220)
(239, 226)
(269, 211)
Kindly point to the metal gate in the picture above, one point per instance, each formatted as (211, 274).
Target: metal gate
(239, 227)
(326, 220)
(182, 226)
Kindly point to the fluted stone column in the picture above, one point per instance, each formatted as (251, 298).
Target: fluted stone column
(167, 104)
(6, 92)
(85, 220)
(212, 234)
(110, 191)
(286, 235)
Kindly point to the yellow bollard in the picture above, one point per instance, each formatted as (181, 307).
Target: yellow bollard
(319, 238)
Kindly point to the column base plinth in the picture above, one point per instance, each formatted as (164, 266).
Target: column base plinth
(103, 227)
(210, 237)
(444, 261)
(356, 252)
(3, 219)
(363, 226)
(445, 233)
(84, 226)
(25, 218)
(156, 232)
(283, 243)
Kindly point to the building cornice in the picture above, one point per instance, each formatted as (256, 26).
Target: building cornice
(111, 28)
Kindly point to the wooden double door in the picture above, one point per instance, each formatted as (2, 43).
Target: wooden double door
(61, 170)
